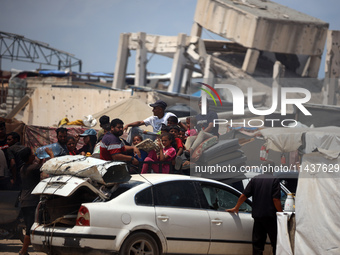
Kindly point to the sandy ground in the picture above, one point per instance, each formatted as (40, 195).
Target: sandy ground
(13, 246)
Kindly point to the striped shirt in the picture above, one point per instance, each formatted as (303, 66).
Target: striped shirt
(110, 145)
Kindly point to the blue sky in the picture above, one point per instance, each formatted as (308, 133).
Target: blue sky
(90, 29)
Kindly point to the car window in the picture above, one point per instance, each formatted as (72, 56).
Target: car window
(124, 187)
(144, 197)
(221, 198)
(176, 194)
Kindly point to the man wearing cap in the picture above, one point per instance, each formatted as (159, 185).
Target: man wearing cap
(159, 117)
(90, 138)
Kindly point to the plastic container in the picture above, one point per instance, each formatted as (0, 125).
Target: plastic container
(41, 153)
(290, 203)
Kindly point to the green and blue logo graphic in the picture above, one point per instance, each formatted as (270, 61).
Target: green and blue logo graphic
(204, 97)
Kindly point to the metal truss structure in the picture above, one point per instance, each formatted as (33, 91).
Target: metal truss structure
(18, 48)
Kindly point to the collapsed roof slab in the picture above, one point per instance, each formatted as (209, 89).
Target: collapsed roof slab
(169, 46)
(162, 45)
(264, 26)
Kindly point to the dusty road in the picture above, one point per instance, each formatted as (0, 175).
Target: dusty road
(13, 246)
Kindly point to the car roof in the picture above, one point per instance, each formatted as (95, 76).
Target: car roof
(159, 178)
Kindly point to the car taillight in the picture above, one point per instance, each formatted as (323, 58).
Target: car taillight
(83, 218)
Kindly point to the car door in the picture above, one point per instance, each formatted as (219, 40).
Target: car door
(230, 233)
(181, 219)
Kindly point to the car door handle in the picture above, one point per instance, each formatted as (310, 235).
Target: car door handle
(217, 222)
(163, 218)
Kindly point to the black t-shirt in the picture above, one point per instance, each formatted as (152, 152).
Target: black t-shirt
(4, 147)
(13, 151)
(204, 120)
(30, 176)
(263, 188)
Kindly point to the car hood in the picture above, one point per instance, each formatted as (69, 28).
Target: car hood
(64, 185)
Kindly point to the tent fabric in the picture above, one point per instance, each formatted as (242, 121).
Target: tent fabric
(317, 206)
(13, 125)
(37, 136)
(325, 139)
(283, 139)
(137, 106)
(130, 110)
(54, 72)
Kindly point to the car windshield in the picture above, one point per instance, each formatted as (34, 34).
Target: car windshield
(124, 187)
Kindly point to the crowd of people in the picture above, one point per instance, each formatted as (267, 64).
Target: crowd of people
(20, 167)
(174, 140)
(169, 133)
(171, 136)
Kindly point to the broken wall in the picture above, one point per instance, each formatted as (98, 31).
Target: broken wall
(48, 106)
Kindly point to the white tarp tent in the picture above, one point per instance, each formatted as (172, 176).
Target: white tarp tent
(326, 139)
(137, 106)
(317, 197)
(129, 110)
(318, 206)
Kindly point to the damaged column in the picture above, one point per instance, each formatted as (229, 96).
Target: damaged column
(250, 61)
(121, 63)
(178, 65)
(332, 68)
(141, 60)
(209, 76)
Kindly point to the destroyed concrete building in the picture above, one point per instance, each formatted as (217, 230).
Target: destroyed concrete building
(257, 34)
(262, 40)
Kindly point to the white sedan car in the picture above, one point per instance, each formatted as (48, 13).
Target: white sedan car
(149, 214)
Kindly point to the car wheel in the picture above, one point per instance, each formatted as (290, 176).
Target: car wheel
(139, 243)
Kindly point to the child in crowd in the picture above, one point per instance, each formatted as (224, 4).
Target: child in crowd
(167, 152)
(191, 126)
(71, 145)
(174, 130)
(181, 135)
(136, 140)
(172, 120)
(96, 151)
(164, 129)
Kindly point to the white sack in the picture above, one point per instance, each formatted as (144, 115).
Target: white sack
(283, 246)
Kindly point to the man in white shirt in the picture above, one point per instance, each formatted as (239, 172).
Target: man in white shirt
(159, 117)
